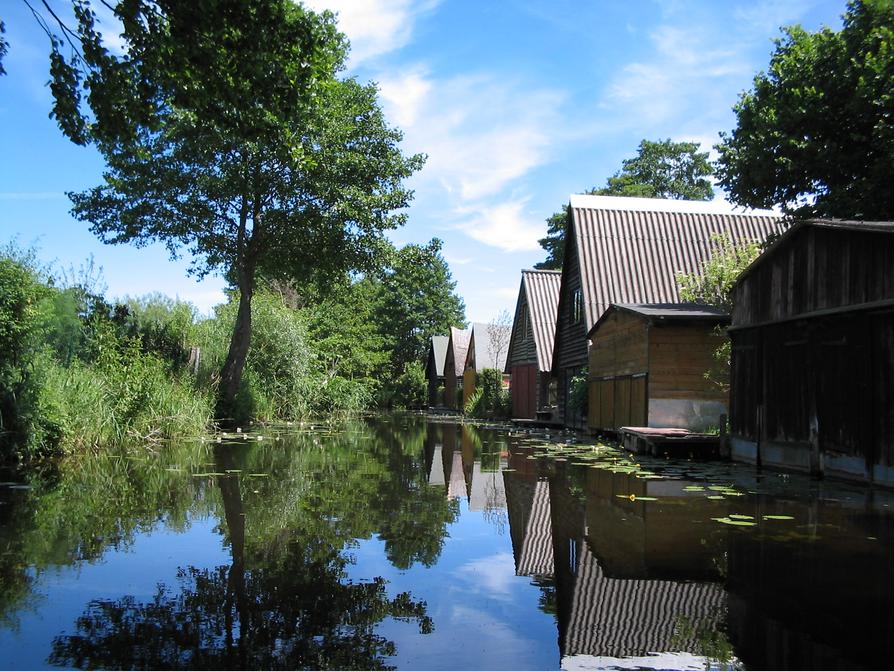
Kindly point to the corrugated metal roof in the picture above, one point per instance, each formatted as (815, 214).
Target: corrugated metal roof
(668, 312)
(541, 290)
(537, 547)
(620, 617)
(632, 249)
(485, 356)
(439, 352)
(459, 339)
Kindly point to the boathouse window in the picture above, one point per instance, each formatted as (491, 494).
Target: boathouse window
(577, 306)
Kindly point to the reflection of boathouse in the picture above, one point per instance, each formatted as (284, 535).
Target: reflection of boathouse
(650, 605)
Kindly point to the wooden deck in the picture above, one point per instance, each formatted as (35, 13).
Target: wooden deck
(669, 442)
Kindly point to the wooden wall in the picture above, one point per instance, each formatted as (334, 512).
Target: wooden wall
(817, 394)
(524, 391)
(450, 380)
(679, 357)
(817, 268)
(523, 347)
(634, 362)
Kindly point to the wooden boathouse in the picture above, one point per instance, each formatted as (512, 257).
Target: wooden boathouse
(434, 370)
(454, 364)
(531, 344)
(648, 365)
(812, 378)
(630, 250)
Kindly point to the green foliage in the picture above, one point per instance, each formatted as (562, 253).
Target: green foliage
(24, 426)
(660, 169)
(162, 325)
(554, 242)
(579, 391)
(663, 169)
(713, 284)
(418, 300)
(411, 387)
(489, 400)
(264, 166)
(4, 47)
(815, 134)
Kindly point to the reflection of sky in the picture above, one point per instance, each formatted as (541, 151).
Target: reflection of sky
(153, 558)
(484, 615)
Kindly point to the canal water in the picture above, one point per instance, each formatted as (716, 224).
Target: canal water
(396, 543)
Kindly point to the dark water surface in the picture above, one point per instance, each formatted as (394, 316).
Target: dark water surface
(400, 544)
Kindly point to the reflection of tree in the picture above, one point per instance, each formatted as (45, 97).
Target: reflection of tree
(294, 610)
(298, 613)
(290, 510)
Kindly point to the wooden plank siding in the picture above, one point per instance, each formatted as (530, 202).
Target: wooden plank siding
(813, 352)
(679, 357)
(648, 365)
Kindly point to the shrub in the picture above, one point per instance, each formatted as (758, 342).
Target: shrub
(489, 400)
(411, 387)
(579, 391)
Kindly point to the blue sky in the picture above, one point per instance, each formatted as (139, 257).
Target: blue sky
(517, 104)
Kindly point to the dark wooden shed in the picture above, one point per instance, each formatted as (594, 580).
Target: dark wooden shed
(813, 352)
(630, 250)
(434, 369)
(648, 365)
(454, 364)
(531, 344)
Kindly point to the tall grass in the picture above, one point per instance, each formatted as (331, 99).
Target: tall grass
(127, 397)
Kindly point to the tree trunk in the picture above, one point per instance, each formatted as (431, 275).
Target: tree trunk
(231, 374)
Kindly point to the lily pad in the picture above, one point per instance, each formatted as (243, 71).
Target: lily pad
(778, 517)
(715, 497)
(732, 522)
(736, 516)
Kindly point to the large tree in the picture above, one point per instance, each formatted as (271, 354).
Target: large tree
(228, 132)
(418, 300)
(815, 134)
(660, 169)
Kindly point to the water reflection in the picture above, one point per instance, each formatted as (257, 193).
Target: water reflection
(408, 544)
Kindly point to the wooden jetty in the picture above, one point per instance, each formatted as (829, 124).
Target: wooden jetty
(669, 442)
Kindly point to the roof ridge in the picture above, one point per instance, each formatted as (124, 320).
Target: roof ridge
(588, 202)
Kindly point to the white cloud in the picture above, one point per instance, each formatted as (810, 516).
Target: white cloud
(494, 575)
(505, 226)
(404, 95)
(375, 27)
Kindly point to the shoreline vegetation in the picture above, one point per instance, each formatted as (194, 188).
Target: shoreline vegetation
(82, 373)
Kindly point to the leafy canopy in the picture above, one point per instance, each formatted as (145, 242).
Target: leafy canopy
(660, 169)
(815, 134)
(226, 131)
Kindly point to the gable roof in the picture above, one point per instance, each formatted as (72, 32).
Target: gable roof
(437, 351)
(630, 250)
(480, 341)
(541, 291)
(459, 341)
(667, 312)
(838, 224)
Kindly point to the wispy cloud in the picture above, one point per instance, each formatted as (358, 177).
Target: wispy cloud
(506, 226)
(493, 575)
(480, 132)
(375, 27)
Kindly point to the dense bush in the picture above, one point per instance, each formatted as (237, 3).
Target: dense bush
(79, 372)
(410, 389)
(490, 400)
